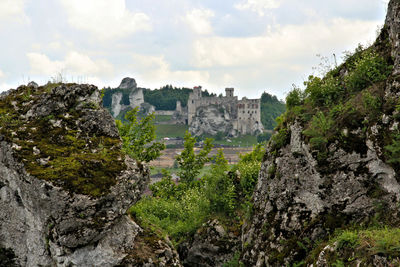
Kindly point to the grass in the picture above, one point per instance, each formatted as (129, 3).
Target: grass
(162, 118)
(241, 141)
(170, 130)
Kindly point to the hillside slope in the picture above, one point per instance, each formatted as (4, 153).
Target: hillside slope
(329, 186)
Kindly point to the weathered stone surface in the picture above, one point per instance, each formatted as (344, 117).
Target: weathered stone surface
(211, 246)
(300, 200)
(211, 120)
(128, 83)
(45, 223)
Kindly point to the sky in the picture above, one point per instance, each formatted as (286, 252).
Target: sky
(251, 45)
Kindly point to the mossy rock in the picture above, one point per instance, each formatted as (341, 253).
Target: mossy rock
(54, 147)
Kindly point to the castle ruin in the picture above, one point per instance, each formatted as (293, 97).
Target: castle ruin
(204, 115)
(240, 116)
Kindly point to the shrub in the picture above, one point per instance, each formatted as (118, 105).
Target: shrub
(392, 151)
(295, 98)
(318, 131)
(176, 217)
(366, 70)
(138, 136)
(219, 187)
(190, 163)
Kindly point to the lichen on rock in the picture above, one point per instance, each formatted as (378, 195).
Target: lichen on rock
(65, 184)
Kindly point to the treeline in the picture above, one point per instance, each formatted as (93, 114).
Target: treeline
(271, 108)
(163, 98)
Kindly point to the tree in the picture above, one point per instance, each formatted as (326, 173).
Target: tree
(138, 137)
(220, 188)
(190, 163)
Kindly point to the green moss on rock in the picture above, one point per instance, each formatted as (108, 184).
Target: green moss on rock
(54, 148)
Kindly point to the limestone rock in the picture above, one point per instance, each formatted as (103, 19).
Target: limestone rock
(65, 192)
(300, 198)
(128, 83)
(211, 120)
(211, 246)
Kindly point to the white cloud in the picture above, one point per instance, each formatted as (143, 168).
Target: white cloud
(105, 19)
(258, 6)
(12, 10)
(2, 75)
(155, 71)
(199, 20)
(285, 45)
(74, 63)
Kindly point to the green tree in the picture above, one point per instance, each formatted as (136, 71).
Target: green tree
(219, 187)
(138, 137)
(190, 163)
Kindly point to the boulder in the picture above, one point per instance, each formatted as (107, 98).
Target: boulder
(65, 184)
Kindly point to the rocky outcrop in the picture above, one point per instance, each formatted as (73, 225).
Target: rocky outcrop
(302, 197)
(116, 105)
(134, 98)
(128, 83)
(211, 246)
(211, 120)
(65, 185)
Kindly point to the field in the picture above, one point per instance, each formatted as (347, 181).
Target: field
(162, 118)
(168, 156)
(170, 130)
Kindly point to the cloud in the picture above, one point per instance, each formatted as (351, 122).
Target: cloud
(284, 45)
(105, 19)
(199, 20)
(74, 63)
(12, 10)
(2, 75)
(258, 6)
(155, 71)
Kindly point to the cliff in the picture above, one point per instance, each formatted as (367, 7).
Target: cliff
(329, 187)
(65, 184)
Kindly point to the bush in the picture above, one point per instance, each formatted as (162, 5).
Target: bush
(318, 131)
(190, 163)
(264, 137)
(176, 217)
(366, 70)
(219, 187)
(323, 92)
(295, 98)
(138, 136)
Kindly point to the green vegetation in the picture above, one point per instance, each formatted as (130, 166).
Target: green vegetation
(162, 99)
(359, 246)
(271, 108)
(222, 192)
(81, 163)
(330, 108)
(190, 163)
(162, 118)
(170, 130)
(138, 136)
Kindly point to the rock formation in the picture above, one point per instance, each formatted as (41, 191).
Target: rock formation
(302, 197)
(211, 120)
(65, 185)
(135, 98)
(211, 246)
